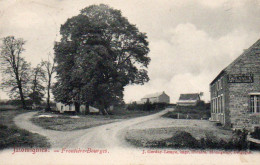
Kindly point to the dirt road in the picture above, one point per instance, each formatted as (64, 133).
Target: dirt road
(109, 136)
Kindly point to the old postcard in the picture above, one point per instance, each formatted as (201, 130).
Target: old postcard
(130, 82)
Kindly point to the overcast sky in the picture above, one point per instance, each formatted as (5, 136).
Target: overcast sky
(190, 42)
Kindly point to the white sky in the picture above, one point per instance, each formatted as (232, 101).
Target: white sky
(190, 41)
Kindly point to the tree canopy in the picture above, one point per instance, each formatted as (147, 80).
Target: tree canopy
(100, 53)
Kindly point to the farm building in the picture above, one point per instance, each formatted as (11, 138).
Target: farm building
(235, 92)
(160, 97)
(189, 99)
(71, 108)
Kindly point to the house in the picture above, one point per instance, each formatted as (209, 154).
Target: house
(235, 92)
(160, 97)
(189, 99)
(71, 108)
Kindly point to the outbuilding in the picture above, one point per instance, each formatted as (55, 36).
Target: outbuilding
(235, 92)
(189, 99)
(71, 108)
(160, 97)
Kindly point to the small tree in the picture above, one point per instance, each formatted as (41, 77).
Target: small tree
(14, 67)
(49, 67)
(37, 88)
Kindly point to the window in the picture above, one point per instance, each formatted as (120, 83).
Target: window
(220, 104)
(223, 104)
(254, 103)
(212, 106)
(220, 84)
(217, 105)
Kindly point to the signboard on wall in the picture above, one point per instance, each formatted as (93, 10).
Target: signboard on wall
(240, 78)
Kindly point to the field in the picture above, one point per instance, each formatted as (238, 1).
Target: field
(11, 136)
(67, 122)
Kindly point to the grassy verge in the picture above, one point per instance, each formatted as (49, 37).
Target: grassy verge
(67, 122)
(184, 140)
(11, 135)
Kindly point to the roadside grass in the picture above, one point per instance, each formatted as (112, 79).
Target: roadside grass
(12, 136)
(69, 122)
(180, 133)
(184, 140)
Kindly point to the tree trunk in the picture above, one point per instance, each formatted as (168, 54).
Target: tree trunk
(77, 107)
(48, 94)
(87, 108)
(21, 95)
(102, 109)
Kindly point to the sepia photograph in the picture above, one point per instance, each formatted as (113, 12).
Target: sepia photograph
(129, 82)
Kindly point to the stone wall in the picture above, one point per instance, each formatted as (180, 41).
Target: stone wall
(239, 92)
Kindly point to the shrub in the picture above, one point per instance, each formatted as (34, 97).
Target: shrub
(256, 133)
(182, 139)
(148, 106)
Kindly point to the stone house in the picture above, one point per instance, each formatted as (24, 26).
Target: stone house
(189, 99)
(160, 97)
(235, 92)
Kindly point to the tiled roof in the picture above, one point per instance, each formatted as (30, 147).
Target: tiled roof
(189, 96)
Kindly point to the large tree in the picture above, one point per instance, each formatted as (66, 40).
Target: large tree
(100, 53)
(14, 67)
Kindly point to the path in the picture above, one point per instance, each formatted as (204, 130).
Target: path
(104, 136)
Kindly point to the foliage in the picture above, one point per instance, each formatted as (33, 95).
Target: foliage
(15, 69)
(100, 53)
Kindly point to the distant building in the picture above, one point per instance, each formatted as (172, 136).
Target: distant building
(235, 92)
(71, 108)
(189, 99)
(160, 97)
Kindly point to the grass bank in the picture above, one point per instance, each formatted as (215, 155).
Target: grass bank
(184, 140)
(183, 133)
(11, 135)
(69, 122)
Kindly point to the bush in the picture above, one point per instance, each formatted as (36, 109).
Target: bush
(182, 139)
(148, 106)
(256, 133)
